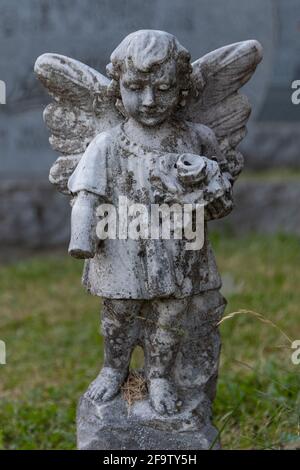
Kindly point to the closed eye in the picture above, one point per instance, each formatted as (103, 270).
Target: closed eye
(163, 87)
(133, 86)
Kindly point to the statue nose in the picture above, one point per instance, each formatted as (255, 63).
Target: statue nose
(149, 98)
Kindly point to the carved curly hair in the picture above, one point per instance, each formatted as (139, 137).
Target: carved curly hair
(146, 49)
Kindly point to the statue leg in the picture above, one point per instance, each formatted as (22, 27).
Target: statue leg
(197, 363)
(163, 334)
(120, 331)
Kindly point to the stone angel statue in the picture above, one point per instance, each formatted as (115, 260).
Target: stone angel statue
(158, 130)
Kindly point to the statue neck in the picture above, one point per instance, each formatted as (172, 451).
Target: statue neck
(150, 136)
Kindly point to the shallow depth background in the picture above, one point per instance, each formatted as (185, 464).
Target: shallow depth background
(33, 214)
(50, 325)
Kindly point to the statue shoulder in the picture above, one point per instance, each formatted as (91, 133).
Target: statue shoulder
(91, 171)
(104, 140)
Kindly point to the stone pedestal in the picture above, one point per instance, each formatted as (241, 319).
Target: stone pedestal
(117, 426)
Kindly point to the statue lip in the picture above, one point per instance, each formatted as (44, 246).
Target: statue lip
(151, 113)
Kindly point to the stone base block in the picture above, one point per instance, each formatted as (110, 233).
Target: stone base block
(117, 426)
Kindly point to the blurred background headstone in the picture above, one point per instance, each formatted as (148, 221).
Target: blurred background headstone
(32, 214)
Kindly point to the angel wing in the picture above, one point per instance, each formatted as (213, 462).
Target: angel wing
(81, 109)
(216, 101)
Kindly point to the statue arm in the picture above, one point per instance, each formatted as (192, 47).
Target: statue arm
(88, 185)
(83, 225)
(221, 205)
(198, 178)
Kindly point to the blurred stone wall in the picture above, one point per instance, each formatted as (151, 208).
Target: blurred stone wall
(31, 213)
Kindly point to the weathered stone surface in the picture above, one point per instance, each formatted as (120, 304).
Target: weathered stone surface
(264, 206)
(116, 425)
(49, 25)
(32, 215)
(88, 33)
(273, 145)
(163, 131)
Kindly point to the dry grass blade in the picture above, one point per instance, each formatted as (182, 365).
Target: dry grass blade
(259, 317)
(135, 388)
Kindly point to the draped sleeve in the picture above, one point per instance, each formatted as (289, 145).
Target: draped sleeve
(91, 172)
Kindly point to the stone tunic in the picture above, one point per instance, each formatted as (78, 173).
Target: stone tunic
(112, 166)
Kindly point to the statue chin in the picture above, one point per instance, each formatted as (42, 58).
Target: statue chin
(151, 121)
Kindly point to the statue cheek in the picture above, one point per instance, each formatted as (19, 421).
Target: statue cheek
(135, 100)
(131, 102)
(162, 100)
(170, 100)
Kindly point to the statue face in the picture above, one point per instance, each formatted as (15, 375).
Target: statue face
(150, 97)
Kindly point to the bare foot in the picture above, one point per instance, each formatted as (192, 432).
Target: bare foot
(163, 397)
(107, 384)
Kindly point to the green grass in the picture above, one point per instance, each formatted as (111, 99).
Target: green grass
(275, 175)
(51, 329)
